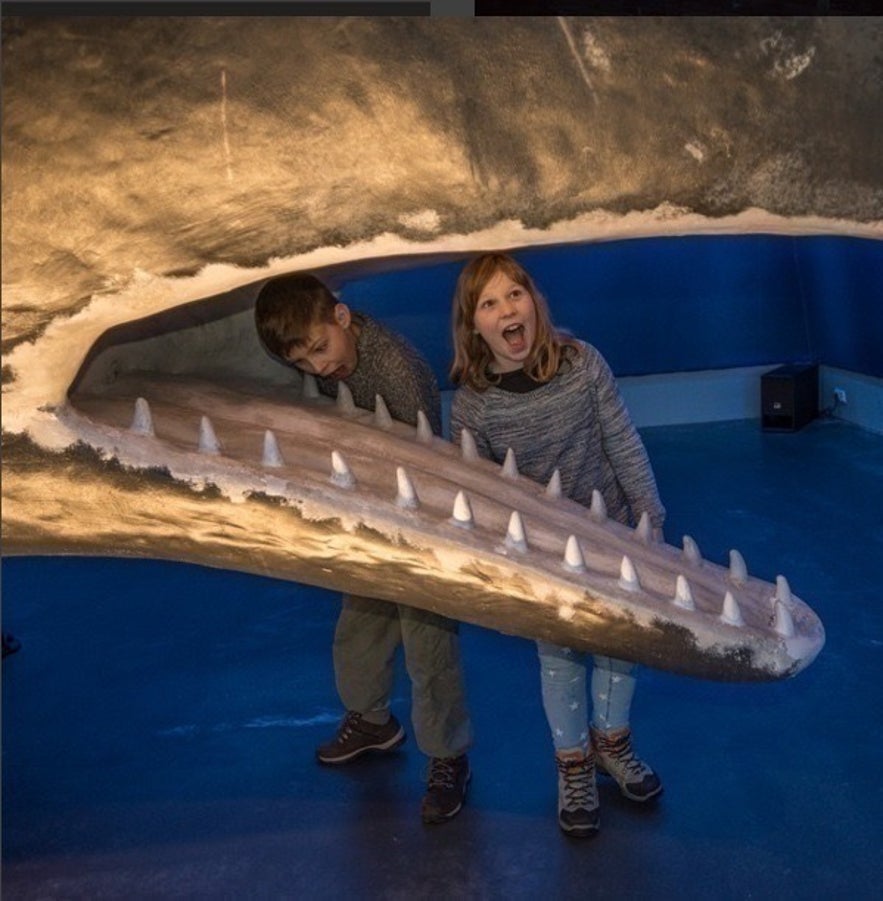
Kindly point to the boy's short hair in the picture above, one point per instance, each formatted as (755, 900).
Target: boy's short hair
(286, 309)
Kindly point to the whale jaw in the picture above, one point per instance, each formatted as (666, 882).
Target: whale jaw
(288, 484)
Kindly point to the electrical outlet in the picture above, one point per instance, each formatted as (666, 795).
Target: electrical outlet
(840, 396)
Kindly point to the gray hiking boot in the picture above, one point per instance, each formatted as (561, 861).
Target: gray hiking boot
(578, 813)
(616, 757)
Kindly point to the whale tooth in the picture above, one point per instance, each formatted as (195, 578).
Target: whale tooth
(208, 441)
(272, 454)
(310, 386)
(553, 489)
(462, 511)
(382, 419)
(142, 421)
(731, 613)
(628, 578)
(345, 402)
(424, 429)
(683, 594)
(598, 509)
(784, 622)
(510, 467)
(515, 537)
(573, 555)
(692, 554)
(783, 590)
(340, 472)
(407, 496)
(644, 529)
(467, 445)
(738, 569)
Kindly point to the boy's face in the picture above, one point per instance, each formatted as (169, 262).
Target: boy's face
(329, 350)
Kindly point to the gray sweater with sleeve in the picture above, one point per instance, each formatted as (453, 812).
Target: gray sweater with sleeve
(391, 367)
(576, 423)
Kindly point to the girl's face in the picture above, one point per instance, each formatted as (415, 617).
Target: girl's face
(506, 318)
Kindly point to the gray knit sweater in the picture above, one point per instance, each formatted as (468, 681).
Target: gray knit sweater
(576, 423)
(391, 367)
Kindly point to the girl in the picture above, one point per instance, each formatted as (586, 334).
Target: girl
(553, 400)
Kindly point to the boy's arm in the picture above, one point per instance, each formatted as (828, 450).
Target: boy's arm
(413, 395)
(393, 368)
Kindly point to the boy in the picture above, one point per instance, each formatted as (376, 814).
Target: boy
(301, 323)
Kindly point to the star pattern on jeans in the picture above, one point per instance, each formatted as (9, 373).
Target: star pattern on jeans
(574, 705)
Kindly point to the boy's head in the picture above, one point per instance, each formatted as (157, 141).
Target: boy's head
(300, 322)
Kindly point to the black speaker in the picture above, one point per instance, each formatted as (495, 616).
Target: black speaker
(789, 397)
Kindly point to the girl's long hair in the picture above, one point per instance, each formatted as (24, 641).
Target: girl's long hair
(472, 356)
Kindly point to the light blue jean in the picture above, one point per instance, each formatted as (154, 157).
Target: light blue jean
(563, 676)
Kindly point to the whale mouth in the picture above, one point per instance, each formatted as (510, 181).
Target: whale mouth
(196, 361)
(213, 339)
(361, 503)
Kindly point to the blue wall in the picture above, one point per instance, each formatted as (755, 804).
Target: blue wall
(659, 305)
(844, 283)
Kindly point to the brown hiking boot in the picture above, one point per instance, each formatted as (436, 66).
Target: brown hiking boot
(355, 736)
(448, 778)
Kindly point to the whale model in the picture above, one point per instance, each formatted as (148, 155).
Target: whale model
(172, 188)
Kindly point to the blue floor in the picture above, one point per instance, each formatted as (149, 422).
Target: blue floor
(159, 723)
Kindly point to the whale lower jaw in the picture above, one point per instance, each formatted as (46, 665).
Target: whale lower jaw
(301, 488)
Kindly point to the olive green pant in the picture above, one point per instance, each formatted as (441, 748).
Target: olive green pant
(367, 636)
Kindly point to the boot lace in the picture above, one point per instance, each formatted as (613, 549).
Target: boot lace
(349, 725)
(577, 782)
(442, 773)
(621, 751)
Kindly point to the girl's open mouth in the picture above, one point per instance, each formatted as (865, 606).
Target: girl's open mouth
(514, 335)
